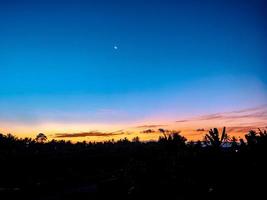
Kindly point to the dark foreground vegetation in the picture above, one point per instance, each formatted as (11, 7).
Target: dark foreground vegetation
(171, 168)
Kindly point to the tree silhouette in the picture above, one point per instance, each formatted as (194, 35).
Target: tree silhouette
(170, 168)
(251, 138)
(263, 133)
(136, 139)
(234, 142)
(176, 137)
(41, 138)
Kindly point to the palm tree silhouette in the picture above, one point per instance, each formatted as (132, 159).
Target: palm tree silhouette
(214, 139)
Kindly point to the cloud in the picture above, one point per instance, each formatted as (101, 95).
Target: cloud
(200, 129)
(180, 121)
(88, 134)
(262, 107)
(151, 126)
(210, 117)
(148, 131)
(241, 129)
(260, 113)
(230, 116)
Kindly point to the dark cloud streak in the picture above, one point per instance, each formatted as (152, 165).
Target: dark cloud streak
(88, 134)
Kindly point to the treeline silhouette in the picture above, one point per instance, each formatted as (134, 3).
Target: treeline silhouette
(219, 167)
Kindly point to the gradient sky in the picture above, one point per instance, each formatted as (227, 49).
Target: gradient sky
(79, 66)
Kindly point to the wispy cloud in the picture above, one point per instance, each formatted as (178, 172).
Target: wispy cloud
(181, 121)
(259, 113)
(241, 129)
(230, 116)
(209, 117)
(262, 107)
(151, 126)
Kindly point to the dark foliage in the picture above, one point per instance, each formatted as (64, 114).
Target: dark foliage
(168, 169)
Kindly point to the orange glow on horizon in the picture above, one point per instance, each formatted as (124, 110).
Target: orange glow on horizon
(238, 123)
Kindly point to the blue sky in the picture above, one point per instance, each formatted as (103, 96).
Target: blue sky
(174, 58)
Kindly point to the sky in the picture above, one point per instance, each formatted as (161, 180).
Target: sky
(117, 68)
